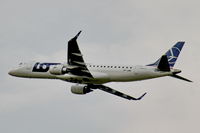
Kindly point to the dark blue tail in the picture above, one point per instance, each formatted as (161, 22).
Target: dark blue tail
(172, 55)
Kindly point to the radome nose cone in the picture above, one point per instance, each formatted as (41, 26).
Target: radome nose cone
(11, 72)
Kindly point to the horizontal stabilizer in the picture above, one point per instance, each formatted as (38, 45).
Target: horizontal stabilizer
(181, 78)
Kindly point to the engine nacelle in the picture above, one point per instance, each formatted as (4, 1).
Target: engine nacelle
(80, 89)
(58, 70)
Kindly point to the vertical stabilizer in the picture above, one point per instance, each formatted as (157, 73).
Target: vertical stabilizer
(164, 64)
(172, 55)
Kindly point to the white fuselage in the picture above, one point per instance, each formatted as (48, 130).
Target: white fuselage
(101, 73)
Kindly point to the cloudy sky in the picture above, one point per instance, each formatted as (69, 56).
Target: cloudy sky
(114, 32)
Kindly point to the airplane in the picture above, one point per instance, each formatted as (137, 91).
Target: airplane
(89, 77)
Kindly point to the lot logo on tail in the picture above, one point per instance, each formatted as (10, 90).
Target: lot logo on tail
(173, 53)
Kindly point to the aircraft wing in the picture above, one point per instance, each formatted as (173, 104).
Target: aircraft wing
(75, 59)
(115, 92)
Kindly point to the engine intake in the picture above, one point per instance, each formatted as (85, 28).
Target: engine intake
(80, 89)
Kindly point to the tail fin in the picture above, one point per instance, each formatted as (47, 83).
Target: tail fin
(172, 55)
(164, 64)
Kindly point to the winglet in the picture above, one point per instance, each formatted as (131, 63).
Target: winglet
(77, 34)
(141, 96)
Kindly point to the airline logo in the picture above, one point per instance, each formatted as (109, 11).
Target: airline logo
(174, 52)
(42, 67)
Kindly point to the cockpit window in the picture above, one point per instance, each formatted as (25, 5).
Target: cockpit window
(22, 64)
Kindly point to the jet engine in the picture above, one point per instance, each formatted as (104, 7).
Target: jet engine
(80, 89)
(58, 70)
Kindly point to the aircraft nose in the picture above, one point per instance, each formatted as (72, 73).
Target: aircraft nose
(12, 72)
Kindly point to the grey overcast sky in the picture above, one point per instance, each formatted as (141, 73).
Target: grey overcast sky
(114, 32)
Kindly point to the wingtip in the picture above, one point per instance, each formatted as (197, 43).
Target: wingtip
(78, 34)
(181, 78)
(142, 96)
